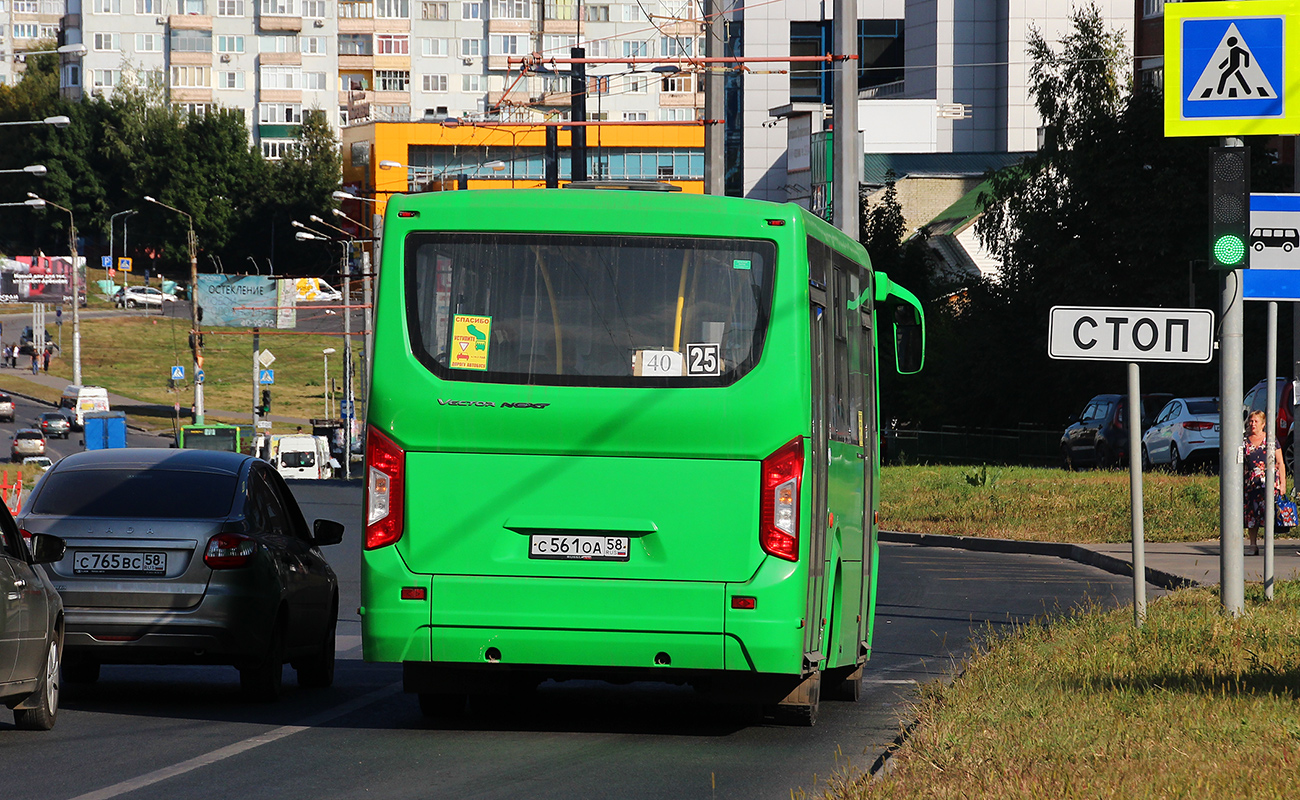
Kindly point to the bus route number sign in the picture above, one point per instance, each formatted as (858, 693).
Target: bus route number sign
(703, 359)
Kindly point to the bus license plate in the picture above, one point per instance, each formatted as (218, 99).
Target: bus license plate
(580, 548)
(92, 562)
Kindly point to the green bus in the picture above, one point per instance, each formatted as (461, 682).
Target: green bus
(624, 435)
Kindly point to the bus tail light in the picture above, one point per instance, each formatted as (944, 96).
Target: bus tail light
(778, 527)
(385, 473)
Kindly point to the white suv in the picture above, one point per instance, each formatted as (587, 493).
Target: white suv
(143, 296)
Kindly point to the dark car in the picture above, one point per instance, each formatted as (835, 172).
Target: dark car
(1099, 435)
(31, 627)
(55, 423)
(188, 557)
(1257, 400)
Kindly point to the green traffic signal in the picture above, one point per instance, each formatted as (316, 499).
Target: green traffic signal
(1229, 249)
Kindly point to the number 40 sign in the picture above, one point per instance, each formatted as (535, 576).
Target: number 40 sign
(701, 360)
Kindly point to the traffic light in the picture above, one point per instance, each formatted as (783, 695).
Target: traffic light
(266, 402)
(1229, 207)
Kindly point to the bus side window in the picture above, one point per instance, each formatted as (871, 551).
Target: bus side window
(857, 421)
(843, 423)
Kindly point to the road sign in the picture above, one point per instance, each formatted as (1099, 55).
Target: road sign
(265, 358)
(266, 376)
(198, 376)
(1275, 231)
(106, 261)
(124, 264)
(178, 373)
(1225, 67)
(264, 423)
(345, 409)
(1131, 334)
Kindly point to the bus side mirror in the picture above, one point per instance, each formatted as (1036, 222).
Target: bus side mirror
(909, 340)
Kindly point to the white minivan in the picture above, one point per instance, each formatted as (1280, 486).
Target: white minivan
(82, 399)
(301, 455)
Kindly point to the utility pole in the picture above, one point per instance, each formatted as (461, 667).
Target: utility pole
(578, 112)
(847, 162)
(715, 132)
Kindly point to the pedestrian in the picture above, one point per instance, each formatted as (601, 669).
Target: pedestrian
(36, 362)
(5, 353)
(46, 359)
(1256, 464)
(13, 356)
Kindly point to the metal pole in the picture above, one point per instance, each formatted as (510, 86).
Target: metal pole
(1232, 588)
(256, 397)
(1270, 425)
(367, 299)
(326, 386)
(194, 320)
(847, 163)
(347, 362)
(76, 304)
(1134, 418)
(715, 166)
(578, 112)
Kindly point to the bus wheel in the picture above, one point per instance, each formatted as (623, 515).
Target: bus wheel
(841, 686)
(442, 704)
(801, 707)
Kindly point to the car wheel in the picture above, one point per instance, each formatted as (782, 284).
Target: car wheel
(317, 671)
(1176, 464)
(41, 718)
(442, 704)
(80, 670)
(130, 304)
(1146, 459)
(263, 679)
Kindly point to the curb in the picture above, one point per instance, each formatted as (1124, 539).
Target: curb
(1070, 552)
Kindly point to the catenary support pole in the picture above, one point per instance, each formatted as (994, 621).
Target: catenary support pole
(256, 375)
(715, 132)
(847, 160)
(578, 112)
(1134, 417)
(1232, 588)
(1270, 425)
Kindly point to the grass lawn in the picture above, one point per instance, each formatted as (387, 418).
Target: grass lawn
(1048, 505)
(1193, 705)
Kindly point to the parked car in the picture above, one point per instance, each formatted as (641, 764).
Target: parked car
(27, 442)
(1099, 435)
(1257, 400)
(44, 462)
(31, 626)
(55, 423)
(142, 296)
(6, 408)
(1183, 434)
(188, 557)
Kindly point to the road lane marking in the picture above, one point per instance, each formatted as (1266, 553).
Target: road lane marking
(221, 754)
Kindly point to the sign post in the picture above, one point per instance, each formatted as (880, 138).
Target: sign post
(1151, 335)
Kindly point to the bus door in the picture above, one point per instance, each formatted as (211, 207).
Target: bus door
(818, 452)
(846, 500)
(870, 442)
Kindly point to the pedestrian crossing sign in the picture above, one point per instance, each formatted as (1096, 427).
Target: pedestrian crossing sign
(1226, 68)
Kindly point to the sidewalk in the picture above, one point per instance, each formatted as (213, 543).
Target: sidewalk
(1169, 566)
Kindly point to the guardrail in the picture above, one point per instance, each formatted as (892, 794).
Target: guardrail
(952, 445)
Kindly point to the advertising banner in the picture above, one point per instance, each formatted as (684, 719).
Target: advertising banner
(39, 279)
(242, 301)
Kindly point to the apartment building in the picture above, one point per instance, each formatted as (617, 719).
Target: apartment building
(26, 25)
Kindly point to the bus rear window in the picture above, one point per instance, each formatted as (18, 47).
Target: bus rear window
(588, 310)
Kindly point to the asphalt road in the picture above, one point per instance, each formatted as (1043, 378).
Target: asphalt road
(26, 413)
(183, 732)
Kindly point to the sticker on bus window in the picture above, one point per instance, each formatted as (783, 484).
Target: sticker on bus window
(741, 263)
(469, 341)
(703, 359)
(657, 364)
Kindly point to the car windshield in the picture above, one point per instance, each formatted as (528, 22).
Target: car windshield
(1202, 406)
(140, 494)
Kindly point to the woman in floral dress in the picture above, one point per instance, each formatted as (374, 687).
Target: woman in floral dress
(1256, 451)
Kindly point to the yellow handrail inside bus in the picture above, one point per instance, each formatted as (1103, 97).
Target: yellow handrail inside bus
(681, 301)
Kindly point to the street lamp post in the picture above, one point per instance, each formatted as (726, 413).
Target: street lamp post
(328, 408)
(349, 413)
(58, 122)
(76, 289)
(31, 169)
(111, 263)
(194, 310)
(368, 283)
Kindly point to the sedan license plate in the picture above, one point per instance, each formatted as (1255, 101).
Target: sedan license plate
(578, 548)
(92, 562)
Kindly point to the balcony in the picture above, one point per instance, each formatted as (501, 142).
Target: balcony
(191, 59)
(272, 23)
(350, 62)
(190, 22)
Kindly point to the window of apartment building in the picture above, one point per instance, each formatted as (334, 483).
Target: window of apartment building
(279, 77)
(435, 10)
(1153, 8)
(71, 73)
(279, 8)
(471, 11)
(191, 77)
(148, 42)
(106, 78)
(598, 84)
(471, 83)
(230, 8)
(636, 84)
(315, 81)
(632, 13)
(57, 7)
(679, 9)
(354, 82)
(191, 41)
(27, 30)
(678, 114)
(276, 149)
(314, 46)
(681, 83)
(506, 45)
(230, 80)
(148, 6)
(595, 13)
(99, 7)
(558, 45)
(278, 44)
(279, 113)
(152, 77)
(512, 9)
(471, 48)
(314, 9)
(356, 44)
(560, 9)
(107, 41)
(391, 113)
(435, 83)
(633, 49)
(355, 10)
(26, 7)
(393, 80)
(230, 44)
(49, 31)
(600, 48)
(190, 7)
(434, 47)
(677, 46)
(393, 9)
(635, 116)
(392, 44)
(193, 109)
